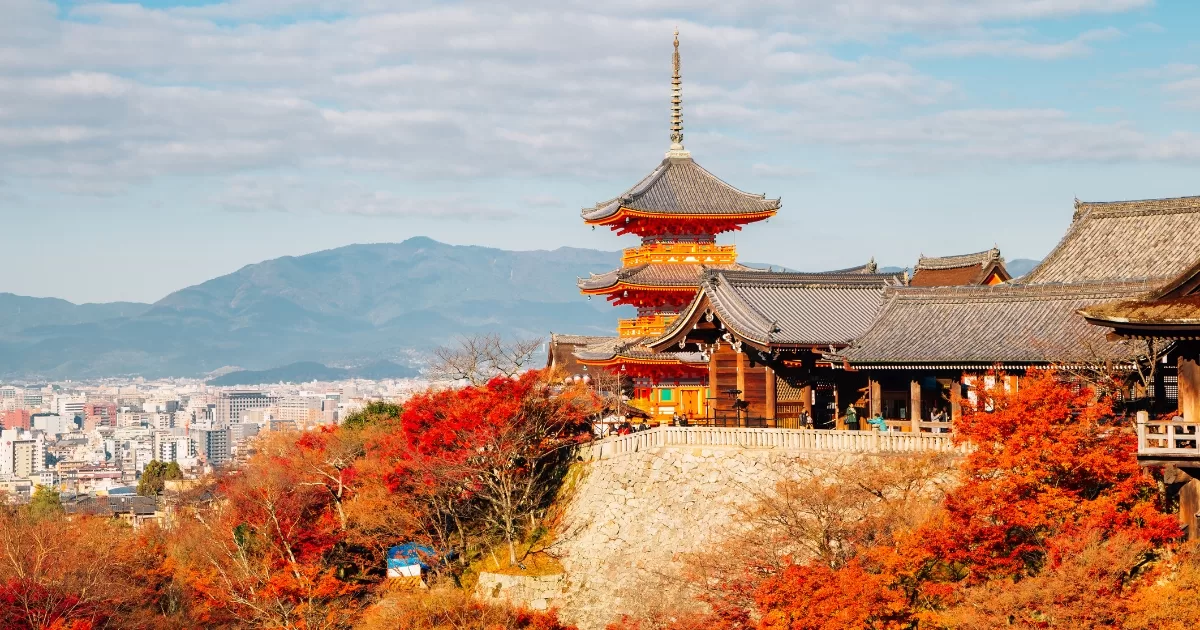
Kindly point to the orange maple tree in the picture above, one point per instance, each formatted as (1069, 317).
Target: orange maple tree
(1051, 499)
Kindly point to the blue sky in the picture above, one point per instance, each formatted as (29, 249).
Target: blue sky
(146, 147)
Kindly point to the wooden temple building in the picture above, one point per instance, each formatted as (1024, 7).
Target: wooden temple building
(982, 268)
(677, 211)
(1168, 317)
(762, 337)
(725, 344)
(929, 346)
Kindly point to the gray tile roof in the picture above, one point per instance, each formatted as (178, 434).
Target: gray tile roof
(633, 348)
(680, 186)
(976, 326)
(962, 269)
(960, 260)
(788, 308)
(655, 275)
(1124, 240)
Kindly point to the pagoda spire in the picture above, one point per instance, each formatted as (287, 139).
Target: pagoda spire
(677, 150)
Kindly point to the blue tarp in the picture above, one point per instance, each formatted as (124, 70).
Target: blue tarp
(409, 554)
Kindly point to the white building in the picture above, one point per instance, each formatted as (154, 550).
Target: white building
(54, 424)
(22, 453)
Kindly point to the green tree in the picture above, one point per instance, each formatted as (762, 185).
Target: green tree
(373, 413)
(153, 477)
(173, 472)
(45, 502)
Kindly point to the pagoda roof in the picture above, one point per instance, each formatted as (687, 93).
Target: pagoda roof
(978, 327)
(771, 309)
(962, 269)
(1124, 240)
(680, 186)
(633, 349)
(683, 276)
(1172, 311)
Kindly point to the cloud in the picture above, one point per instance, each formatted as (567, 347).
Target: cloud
(543, 201)
(297, 194)
(780, 171)
(106, 96)
(1018, 48)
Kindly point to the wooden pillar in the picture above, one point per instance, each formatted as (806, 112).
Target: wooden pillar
(769, 375)
(955, 401)
(1189, 389)
(875, 394)
(837, 407)
(741, 383)
(914, 404)
(1160, 388)
(711, 390)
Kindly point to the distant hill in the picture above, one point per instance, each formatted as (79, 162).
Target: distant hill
(355, 305)
(1018, 267)
(308, 371)
(18, 312)
(381, 305)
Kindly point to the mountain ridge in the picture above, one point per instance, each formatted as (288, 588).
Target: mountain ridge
(355, 305)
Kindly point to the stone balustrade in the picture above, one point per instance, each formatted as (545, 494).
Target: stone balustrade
(781, 439)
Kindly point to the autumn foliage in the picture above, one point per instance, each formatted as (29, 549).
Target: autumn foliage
(1050, 523)
(297, 538)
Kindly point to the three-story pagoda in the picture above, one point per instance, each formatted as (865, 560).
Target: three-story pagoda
(677, 210)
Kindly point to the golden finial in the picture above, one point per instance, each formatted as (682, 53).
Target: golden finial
(677, 150)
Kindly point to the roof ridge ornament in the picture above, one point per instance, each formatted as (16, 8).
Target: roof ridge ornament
(677, 150)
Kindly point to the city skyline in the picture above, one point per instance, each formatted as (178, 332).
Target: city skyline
(167, 144)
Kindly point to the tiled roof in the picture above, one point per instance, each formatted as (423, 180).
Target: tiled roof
(1175, 305)
(964, 269)
(982, 326)
(111, 505)
(680, 186)
(788, 308)
(1125, 240)
(655, 275)
(1180, 310)
(632, 348)
(563, 347)
(577, 340)
(962, 260)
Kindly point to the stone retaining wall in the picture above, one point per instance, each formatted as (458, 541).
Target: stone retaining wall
(539, 593)
(633, 518)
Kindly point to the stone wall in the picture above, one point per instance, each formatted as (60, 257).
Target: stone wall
(631, 520)
(538, 593)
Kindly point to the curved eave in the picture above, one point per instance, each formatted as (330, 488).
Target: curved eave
(623, 212)
(1171, 329)
(690, 317)
(976, 365)
(619, 359)
(624, 286)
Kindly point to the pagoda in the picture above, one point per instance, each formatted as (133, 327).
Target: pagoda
(677, 210)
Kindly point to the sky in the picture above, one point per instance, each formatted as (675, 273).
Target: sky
(145, 147)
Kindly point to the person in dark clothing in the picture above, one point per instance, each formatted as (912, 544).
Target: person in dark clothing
(851, 418)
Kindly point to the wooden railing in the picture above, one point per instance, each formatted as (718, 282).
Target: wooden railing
(650, 325)
(1165, 438)
(691, 253)
(781, 439)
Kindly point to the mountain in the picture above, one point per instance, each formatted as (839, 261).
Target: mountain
(359, 308)
(1018, 267)
(307, 371)
(18, 312)
(352, 306)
